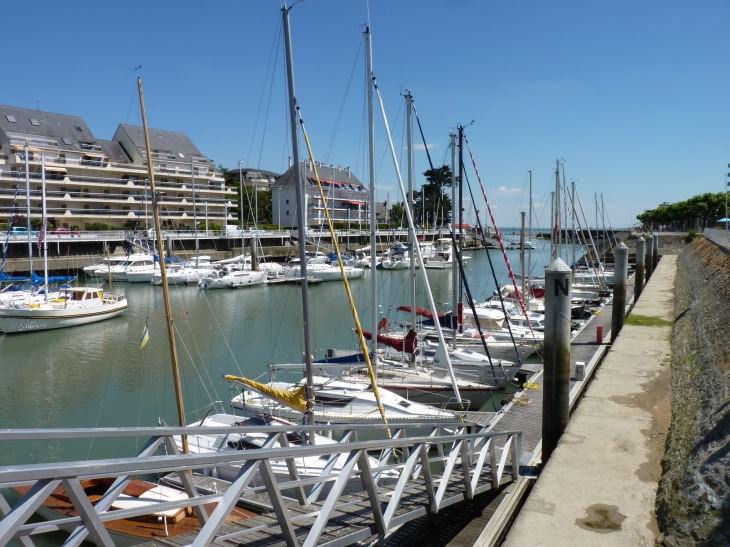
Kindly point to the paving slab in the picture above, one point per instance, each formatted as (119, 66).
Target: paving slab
(599, 487)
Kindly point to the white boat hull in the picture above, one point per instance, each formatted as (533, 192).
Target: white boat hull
(248, 279)
(328, 274)
(140, 277)
(28, 320)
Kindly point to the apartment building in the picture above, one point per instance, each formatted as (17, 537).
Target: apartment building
(346, 197)
(258, 179)
(94, 181)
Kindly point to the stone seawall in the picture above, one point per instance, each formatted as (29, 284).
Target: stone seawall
(693, 502)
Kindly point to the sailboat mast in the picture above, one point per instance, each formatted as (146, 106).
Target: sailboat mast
(552, 227)
(529, 214)
(163, 272)
(195, 214)
(565, 214)
(44, 235)
(522, 255)
(240, 195)
(411, 226)
(556, 220)
(454, 265)
(300, 214)
(371, 169)
(605, 232)
(410, 204)
(461, 219)
(27, 208)
(572, 208)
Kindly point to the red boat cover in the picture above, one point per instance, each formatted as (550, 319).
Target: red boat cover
(423, 312)
(405, 345)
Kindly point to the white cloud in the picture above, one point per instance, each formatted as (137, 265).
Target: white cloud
(420, 146)
(504, 191)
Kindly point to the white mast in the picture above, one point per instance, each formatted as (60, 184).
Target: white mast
(43, 228)
(27, 208)
(195, 214)
(411, 226)
(301, 204)
(409, 204)
(240, 193)
(529, 251)
(371, 169)
(454, 265)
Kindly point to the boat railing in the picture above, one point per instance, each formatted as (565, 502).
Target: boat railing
(445, 463)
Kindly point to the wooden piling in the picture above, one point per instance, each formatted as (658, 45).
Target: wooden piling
(556, 401)
(620, 274)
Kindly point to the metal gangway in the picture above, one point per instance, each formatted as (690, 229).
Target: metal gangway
(436, 465)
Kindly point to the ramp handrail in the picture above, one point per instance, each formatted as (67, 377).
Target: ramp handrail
(464, 453)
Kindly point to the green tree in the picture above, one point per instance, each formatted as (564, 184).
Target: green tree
(432, 198)
(397, 214)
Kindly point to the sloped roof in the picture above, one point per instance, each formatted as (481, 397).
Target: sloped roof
(56, 126)
(114, 151)
(170, 141)
(326, 172)
(246, 170)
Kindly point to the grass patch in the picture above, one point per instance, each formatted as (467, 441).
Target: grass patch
(647, 321)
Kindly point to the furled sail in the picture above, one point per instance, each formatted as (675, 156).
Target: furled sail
(293, 399)
(405, 345)
(423, 312)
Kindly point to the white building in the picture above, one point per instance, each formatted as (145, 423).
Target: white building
(346, 198)
(91, 181)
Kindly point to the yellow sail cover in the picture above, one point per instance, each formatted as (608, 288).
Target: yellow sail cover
(293, 399)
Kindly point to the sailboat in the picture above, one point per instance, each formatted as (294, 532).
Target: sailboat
(72, 307)
(323, 400)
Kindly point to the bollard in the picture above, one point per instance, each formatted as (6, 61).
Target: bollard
(556, 396)
(620, 273)
(599, 334)
(640, 261)
(649, 264)
(655, 252)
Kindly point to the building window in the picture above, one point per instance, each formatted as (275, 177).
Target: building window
(78, 129)
(287, 202)
(67, 141)
(33, 121)
(125, 208)
(10, 118)
(287, 213)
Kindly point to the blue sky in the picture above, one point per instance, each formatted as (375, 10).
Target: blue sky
(633, 96)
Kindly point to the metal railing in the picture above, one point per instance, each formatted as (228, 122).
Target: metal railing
(470, 460)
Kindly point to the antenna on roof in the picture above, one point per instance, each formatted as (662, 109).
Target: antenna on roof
(136, 69)
(38, 104)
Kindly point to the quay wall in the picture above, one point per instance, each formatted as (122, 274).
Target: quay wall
(693, 502)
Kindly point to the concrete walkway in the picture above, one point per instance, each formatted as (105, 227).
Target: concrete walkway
(600, 484)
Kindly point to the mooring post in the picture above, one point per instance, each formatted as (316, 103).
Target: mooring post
(620, 275)
(649, 257)
(556, 397)
(640, 260)
(655, 252)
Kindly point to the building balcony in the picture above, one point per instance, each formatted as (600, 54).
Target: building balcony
(56, 177)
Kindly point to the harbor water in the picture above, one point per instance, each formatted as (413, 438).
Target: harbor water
(97, 375)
